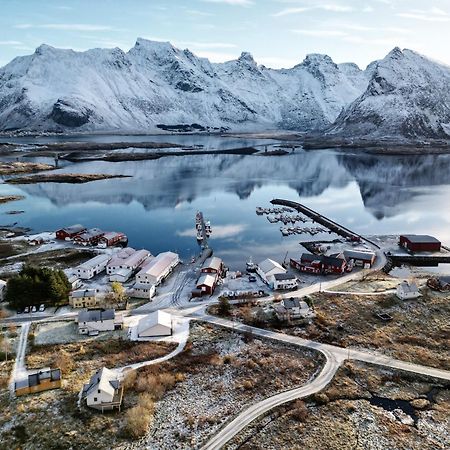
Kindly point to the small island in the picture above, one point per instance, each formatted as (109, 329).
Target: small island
(12, 168)
(10, 198)
(75, 178)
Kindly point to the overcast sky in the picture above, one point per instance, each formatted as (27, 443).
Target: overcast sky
(279, 33)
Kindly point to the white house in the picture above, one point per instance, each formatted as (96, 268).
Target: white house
(93, 267)
(143, 290)
(121, 275)
(74, 281)
(93, 321)
(127, 258)
(158, 323)
(2, 290)
(406, 290)
(104, 390)
(292, 308)
(158, 268)
(268, 268)
(282, 281)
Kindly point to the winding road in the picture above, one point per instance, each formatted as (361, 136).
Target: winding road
(334, 356)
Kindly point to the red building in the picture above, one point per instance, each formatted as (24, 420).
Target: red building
(319, 264)
(89, 237)
(213, 265)
(111, 238)
(420, 243)
(68, 233)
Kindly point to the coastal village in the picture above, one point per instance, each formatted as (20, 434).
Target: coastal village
(130, 296)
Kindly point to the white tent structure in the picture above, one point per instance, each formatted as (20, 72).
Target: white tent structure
(156, 324)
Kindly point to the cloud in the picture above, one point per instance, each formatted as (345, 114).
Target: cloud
(65, 26)
(331, 7)
(219, 231)
(10, 43)
(232, 2)
(320, 33)
(431, 15)
(205, 45)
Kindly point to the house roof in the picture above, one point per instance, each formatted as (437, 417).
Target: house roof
(122, 272)
(81, 293)
(284, 276)
(159, 264)
(96, 315)
(359, 254)
(131, 259)
(77, 228)
(420, 238)
(104, 380)
(408, 287)
(444, 281)
(212, 263)
(89, 234)
(2, 284)
(268, 265)
(155, 318)
(206, 280)
(290, 303)
(94, 262)
(111, 235)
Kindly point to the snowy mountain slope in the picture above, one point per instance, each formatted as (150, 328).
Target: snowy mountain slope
(154, 83)
(407, 95)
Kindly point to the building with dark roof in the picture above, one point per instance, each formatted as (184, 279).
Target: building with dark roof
(37, 381)
(420, 243)
(93, 321)
(68, 233)
(319, 264)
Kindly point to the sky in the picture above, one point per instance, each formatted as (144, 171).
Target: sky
(278, 33)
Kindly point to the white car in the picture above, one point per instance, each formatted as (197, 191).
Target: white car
(33, 309)
(42, 308)
(26, 310)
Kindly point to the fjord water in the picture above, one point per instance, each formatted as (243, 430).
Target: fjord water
(156, 206)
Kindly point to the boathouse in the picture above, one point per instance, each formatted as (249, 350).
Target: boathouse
(360, 258)
(420, 243)
(111, 238)
(68, 233)
(89, 237)
(212, 265)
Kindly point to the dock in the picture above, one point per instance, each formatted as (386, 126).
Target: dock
(319, 218)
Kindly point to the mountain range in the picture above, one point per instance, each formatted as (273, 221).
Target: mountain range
(157, 86)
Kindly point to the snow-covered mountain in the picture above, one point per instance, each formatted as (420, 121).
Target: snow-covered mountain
(155, 83)
(407, 95)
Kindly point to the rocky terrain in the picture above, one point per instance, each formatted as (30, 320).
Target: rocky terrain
(155, 86)
(363, 409)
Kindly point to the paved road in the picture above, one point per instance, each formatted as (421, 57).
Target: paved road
(334, 357)
(253, 412)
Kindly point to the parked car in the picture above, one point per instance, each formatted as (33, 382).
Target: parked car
(42, 308)
(252, 278)
(33, 309)
(19, 311)
(27, 309)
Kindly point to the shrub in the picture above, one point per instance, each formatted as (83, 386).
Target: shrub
(224, 307)
(64, 361)
(137, 421)
(130, 379)
(146, 401)
(299, 411)
(321, 398)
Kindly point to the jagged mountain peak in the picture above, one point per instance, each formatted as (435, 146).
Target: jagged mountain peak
(156, 83)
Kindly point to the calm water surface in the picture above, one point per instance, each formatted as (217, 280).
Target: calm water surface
(156, 207)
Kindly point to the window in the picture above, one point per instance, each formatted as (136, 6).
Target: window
(99, 391)
(95, 399)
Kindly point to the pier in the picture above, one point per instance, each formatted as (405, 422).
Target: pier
(321, 219)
